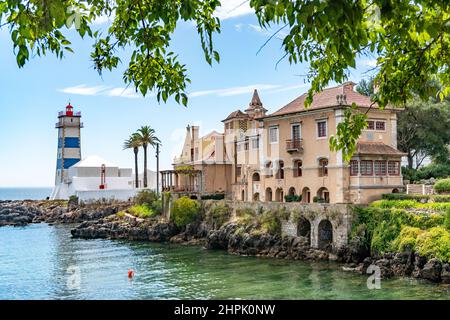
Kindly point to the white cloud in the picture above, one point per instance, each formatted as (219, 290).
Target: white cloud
(238, 27)
(84, 90)
(123, 92)
(104, 19)
(370, 62)
(234, 90)
(280, 34)
(233, 8)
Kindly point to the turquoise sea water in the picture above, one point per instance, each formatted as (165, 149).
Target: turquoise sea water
(43, 262)
(24, 193)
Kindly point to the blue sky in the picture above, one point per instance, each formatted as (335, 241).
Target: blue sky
(31, 97)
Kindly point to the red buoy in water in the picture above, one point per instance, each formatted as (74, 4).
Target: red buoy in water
(130, 274)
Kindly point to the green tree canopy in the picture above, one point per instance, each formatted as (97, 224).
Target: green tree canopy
(424, 131)
(366, 87)
(411, 39)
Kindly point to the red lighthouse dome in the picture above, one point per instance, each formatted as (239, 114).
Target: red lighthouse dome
(69, 110)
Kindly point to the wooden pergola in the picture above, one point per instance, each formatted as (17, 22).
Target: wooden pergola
(182, 180)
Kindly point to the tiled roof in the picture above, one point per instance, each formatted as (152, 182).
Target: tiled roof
(327, 98)
(236, 114)
(377, 148)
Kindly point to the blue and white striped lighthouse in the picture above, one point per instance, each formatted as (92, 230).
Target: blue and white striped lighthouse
(69, 148)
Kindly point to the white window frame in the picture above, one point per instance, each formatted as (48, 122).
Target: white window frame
(299, 130)
(277, 135)
(317, 129)
(375, 125)
(255, 141)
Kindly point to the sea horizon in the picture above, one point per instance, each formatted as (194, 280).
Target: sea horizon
(25, 193)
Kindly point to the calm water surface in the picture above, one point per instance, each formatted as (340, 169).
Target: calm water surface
(41, 262)
(24, 193)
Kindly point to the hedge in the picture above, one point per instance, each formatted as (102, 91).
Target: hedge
(416, 197)
(442, 186)
(215, 196)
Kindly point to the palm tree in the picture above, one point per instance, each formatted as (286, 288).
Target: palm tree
(147, 137)
(133, 142)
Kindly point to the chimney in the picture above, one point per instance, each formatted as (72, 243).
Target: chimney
(349, 85)
(195, 130)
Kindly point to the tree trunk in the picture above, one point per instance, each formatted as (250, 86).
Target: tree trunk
(145, 166)
(136, 171)
(410, 161)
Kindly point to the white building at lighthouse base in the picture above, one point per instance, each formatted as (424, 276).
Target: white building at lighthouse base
(84, 180)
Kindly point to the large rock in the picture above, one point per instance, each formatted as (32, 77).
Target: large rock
(445, 273)
(432, 270)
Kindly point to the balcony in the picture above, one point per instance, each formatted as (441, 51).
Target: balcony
(294, 145)
(69, 124)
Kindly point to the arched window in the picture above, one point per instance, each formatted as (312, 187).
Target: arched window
(323, 167)
(255, 177)
(243, 195)
(323, 195)
(279, 195)
(256, 196)
(298, 168)
(268, 194)
(306, 195)
(292, 191)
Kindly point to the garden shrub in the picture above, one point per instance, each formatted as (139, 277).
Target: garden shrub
(447, 220)
(185, 211)
(146, 197)
(121, 214)
(411, 204)
(392, 230)
(156, 206)
(406, 241)
(292, 198)
(246, 217)
(218, 215)
(270, 222)
(215, 196)
(441, 198)
(434, 243)
(142, 211)
(442, 186)
(404, 196)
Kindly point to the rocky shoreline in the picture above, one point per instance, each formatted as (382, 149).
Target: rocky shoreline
(23, 212)
(101, 221)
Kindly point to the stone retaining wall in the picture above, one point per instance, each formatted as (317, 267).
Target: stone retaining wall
(339, 215)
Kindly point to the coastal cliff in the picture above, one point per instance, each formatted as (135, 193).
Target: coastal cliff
(21, 213)
(216, 229)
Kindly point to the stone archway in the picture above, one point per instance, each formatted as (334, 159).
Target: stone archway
(268, 194)
(291, 191)
(395, 190)
(256, 196)
(306, 195)
(304, 229)
(323, 195)
(279, 195)
(325, 235)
